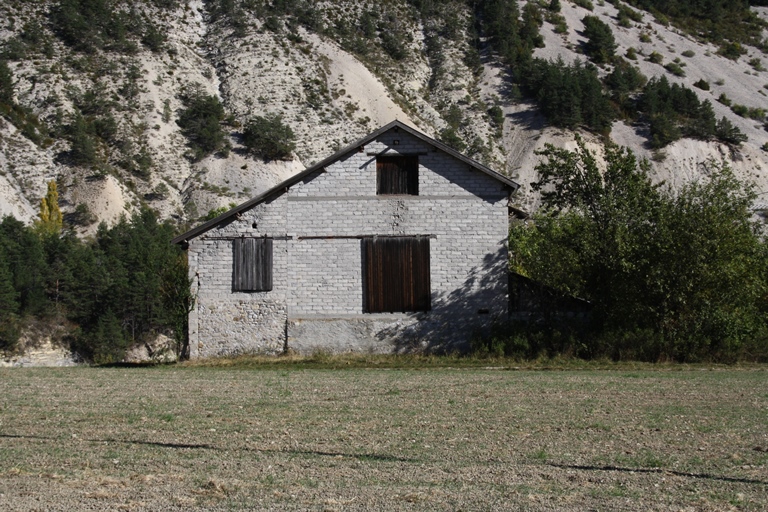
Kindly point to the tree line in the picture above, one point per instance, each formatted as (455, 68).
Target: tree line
(124, 286)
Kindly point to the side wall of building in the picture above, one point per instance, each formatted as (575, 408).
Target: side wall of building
(318, 227)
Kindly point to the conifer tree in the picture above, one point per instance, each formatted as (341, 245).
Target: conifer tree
(6, 84)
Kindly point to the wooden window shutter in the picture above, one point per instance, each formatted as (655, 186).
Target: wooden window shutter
(397, 274)
(252, 265)
(397, 175)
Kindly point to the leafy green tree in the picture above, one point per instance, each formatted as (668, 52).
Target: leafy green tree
(715, 20)
(500, 22)
(80, 23)
(269, 137)
(531, 22)
(129, 278)
(671, 275)
(153, 38)
(50, 219)
(624, 82)
(674, 111)
(450, 137)
(124, 287)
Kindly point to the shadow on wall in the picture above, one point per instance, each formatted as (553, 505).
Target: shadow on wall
(456, 317)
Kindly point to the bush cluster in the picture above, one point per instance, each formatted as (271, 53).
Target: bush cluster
(670, 275)
(21, 117)
(201, 122)
(716, 20)
(91, 25)
(269, 138)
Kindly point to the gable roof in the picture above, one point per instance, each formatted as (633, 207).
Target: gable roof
(285, 185)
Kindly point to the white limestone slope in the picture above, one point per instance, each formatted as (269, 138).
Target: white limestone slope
(330, 98)
(682, 161)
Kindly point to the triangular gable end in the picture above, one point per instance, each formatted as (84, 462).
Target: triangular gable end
(285, 185)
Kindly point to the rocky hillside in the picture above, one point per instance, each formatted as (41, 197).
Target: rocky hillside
(97, 89)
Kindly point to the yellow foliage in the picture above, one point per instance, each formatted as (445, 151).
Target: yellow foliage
(51, 220)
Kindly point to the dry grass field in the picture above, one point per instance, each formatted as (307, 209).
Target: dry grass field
(287, 438)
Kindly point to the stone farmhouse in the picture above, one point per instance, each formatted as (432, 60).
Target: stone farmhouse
(396, 243)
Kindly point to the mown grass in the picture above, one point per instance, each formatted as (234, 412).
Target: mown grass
(412, 433)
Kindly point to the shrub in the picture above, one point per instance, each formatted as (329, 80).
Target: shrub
(586, 4)
(394, 39)
(688, 53)
(269, 138)
(731, 50)
(740, 110)
(449, 137)
(656, 58)
(200, 122)
(724, 100)
(561, 27)
(756, 64)
(628, 12)
(674, 68)
(153, 38)
(702, 84)
(496, 115)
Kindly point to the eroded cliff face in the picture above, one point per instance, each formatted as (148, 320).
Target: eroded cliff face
(371, 64)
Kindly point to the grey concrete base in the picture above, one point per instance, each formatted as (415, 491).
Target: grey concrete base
(379, 335)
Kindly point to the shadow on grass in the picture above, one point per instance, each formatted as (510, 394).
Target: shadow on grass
(204, 446)
(705, 476)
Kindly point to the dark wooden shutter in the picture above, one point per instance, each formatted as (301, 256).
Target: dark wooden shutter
(397, 175)
(252, 265)
(397, 274)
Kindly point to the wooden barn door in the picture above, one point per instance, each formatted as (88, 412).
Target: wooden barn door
(397, 274)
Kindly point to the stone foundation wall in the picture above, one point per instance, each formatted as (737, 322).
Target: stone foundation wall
(231, 327)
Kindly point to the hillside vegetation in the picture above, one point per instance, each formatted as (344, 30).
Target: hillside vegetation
(148, 103)
(179, 109)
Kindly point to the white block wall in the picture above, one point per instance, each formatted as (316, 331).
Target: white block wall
(317, 301)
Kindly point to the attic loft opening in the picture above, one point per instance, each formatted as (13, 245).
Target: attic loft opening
(397, 175)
